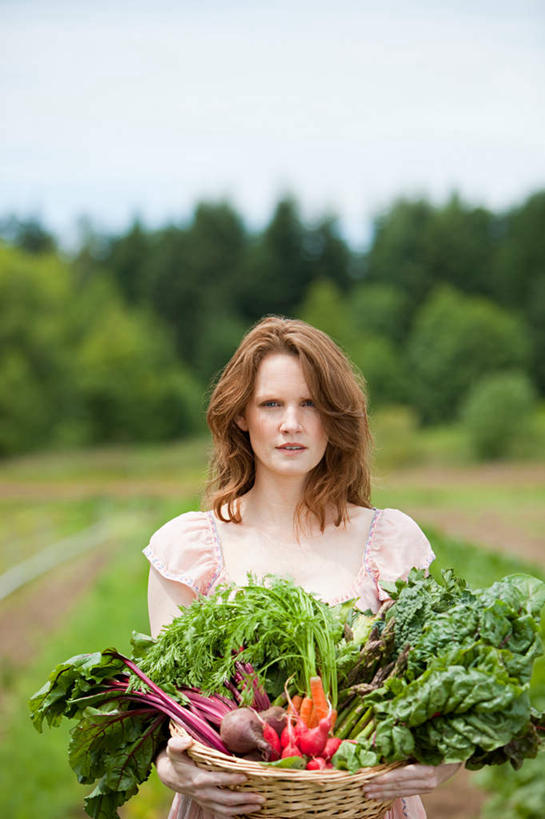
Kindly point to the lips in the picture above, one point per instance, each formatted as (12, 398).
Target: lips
(292, 447)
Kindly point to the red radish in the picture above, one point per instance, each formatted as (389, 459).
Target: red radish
(317, 763)
(286, 737)
(291, 750)
(312, 741)
(331, 747)
(270, 736)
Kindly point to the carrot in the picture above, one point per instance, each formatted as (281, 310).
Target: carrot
(295, 704)
(321, 705)
(313, 722)
(333, 719)
(306, 710)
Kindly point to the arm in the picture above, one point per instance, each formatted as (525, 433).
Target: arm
(174, 767)
(165, 597)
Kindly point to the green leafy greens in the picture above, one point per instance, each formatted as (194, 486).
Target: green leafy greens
(462, 691)
(279, 628)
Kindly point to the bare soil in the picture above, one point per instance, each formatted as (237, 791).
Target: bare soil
(514, 523)
(34, 611)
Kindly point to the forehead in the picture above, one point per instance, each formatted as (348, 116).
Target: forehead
(280, 371)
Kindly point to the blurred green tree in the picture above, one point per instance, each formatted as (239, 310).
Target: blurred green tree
(498, 414)
(374, 355)
(455, 341)
(378, 309)
(416, 246)
(36, 385)
(192, 276)
(28, 234)
(127, 258)
(131, 386)
(520, 272)
(277, 271)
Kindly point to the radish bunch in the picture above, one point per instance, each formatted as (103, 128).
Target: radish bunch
(280, 734)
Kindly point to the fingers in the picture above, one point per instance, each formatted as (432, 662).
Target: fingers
(408, 780)
(177, 744)
(229, 803)
(209, 788)
(215, 779)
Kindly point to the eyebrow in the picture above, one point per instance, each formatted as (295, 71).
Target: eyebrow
(266, 396)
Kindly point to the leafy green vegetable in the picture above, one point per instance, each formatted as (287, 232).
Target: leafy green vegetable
(461, 692)
(297, 762)
(278, 628)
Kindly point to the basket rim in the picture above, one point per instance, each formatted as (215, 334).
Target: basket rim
(250, 767)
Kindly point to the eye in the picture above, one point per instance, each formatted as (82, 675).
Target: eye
(308, 402)
(269, 403)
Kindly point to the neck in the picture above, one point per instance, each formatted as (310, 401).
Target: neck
(271, 503)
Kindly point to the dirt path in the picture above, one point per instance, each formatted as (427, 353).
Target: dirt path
(501, 506)
(33, 612)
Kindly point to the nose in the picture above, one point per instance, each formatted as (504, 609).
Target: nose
(291, 421)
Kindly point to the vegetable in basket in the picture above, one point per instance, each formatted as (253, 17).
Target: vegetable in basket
(444, 676)
(439, 674)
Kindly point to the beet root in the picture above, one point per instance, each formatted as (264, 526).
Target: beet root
(241, 731)
(276, 717)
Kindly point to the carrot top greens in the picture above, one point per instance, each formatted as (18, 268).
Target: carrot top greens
(273, 624)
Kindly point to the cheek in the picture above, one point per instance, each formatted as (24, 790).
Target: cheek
(260, 428)
(320, 432)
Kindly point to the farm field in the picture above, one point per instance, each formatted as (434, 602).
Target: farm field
(100, 596)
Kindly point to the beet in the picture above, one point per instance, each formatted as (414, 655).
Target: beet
(276, 717)
(241, 731)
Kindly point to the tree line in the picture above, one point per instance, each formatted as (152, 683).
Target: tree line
(121, 339)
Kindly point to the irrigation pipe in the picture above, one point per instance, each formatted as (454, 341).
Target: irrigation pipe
(64, 550)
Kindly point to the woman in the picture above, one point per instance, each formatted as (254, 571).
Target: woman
(290, 495)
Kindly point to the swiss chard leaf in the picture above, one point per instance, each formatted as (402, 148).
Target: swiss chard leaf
(75, 678)
(115, 746)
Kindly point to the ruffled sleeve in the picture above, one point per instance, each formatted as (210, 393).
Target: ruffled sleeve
(396, 544)
(185, 550)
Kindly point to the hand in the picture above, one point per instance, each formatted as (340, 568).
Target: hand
(178, 772)
(409, 780)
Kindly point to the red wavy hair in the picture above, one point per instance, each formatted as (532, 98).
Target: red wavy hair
(338, 392)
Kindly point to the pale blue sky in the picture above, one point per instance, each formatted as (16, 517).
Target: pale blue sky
(115, 108)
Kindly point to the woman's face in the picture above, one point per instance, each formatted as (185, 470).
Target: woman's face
(285, 428)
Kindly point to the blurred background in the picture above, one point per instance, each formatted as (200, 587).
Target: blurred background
(170, 173)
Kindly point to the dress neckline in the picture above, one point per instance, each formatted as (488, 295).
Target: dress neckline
(363, 570)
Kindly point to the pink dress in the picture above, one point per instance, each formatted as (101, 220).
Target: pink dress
(187, 549)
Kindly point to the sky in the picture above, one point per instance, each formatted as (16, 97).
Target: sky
(112, 109)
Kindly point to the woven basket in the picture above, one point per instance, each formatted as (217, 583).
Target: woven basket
(294, 794)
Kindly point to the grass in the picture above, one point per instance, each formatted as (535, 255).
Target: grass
(178, 460)
(28, 527)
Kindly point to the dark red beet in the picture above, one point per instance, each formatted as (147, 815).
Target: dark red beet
(241, 731)
(276, 717)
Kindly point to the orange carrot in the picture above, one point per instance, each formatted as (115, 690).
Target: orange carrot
(321, 705)
(313, 722)
(295, 704)
(306, 710)
(333, 719)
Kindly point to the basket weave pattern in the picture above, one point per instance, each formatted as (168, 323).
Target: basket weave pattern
(294, 794)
